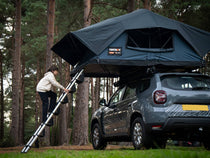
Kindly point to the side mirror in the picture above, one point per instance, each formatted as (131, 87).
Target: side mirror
(102, 102)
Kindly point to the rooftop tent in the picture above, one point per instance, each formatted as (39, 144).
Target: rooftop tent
(134, 41)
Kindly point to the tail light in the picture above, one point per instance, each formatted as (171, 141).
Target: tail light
(155, 127)
(160, 97)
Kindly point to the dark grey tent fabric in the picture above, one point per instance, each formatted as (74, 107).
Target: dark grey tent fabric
(105, 32)
(86, 45)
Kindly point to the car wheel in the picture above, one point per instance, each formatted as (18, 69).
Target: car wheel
(97, 140)
(139, 136)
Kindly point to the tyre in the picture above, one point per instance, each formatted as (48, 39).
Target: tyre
(98, 141)
(139, 136)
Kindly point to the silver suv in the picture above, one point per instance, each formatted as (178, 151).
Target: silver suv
(154, 109)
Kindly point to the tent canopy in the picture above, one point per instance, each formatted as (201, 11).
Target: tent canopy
(138, 40)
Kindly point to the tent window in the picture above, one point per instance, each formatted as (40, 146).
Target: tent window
(152, 39)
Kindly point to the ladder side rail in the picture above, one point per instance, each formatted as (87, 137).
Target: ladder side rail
(42, 125)
(31, 139)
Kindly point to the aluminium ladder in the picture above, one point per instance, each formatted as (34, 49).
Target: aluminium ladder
(43, 124)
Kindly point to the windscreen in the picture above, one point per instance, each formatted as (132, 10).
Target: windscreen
(185, 82)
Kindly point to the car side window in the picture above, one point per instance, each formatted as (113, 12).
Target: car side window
(129, 93)
(117, 96)
(144, 84)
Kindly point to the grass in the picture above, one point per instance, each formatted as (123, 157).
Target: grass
(172, 152)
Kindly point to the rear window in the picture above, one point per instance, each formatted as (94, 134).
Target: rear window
(186, 82)
(144, 85)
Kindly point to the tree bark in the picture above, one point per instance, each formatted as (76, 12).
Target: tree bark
(14, 130)
(67, 110)
(38, 109)
(97, 94)
(63, 121)
(93, 96)
(49, 56)
(111, 86)
(50, 31)
(131, 5)
(21, 123)
(147, 4)
(1, 98)
(107, 88)
(80, 130)
(87, 13)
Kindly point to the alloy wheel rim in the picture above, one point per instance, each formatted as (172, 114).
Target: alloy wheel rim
(96, 136)
(137, 133)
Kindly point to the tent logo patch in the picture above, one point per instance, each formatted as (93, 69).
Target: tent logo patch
(115, 51)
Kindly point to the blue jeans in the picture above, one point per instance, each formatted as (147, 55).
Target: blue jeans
(45, 103)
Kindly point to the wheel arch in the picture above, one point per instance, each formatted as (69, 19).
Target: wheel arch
(133, 117)
(94, 121)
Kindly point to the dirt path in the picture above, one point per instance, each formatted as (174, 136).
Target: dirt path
(70, 147)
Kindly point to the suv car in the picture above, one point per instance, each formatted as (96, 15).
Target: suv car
(158, 107)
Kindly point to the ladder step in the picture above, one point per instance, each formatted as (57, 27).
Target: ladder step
(73, 89)
(80, 78)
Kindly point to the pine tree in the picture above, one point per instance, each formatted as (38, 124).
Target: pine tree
(80, 130)
(14, 130)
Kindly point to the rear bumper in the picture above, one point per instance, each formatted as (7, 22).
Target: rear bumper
(183, 128)
(174, 123)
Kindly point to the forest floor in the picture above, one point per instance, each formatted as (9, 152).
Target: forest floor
(69, 147)
(112, 151)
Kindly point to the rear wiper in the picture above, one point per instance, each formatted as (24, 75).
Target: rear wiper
(200, 88)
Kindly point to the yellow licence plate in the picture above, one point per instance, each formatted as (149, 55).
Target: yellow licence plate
(195, 107)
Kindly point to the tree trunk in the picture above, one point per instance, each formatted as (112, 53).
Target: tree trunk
(50, 31)
(14, 130)
(87, 13)
(49, 57)
(80, 131)
(131, 5)
(1, 98)
(97, 94)
(107, 88)
(21, 123)
(111, 86)
(67, 110)
(103, 85)
(38, 100)
(70, 107)
(63, 135)
(93, 96)
(147, 4)
(95, 90)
